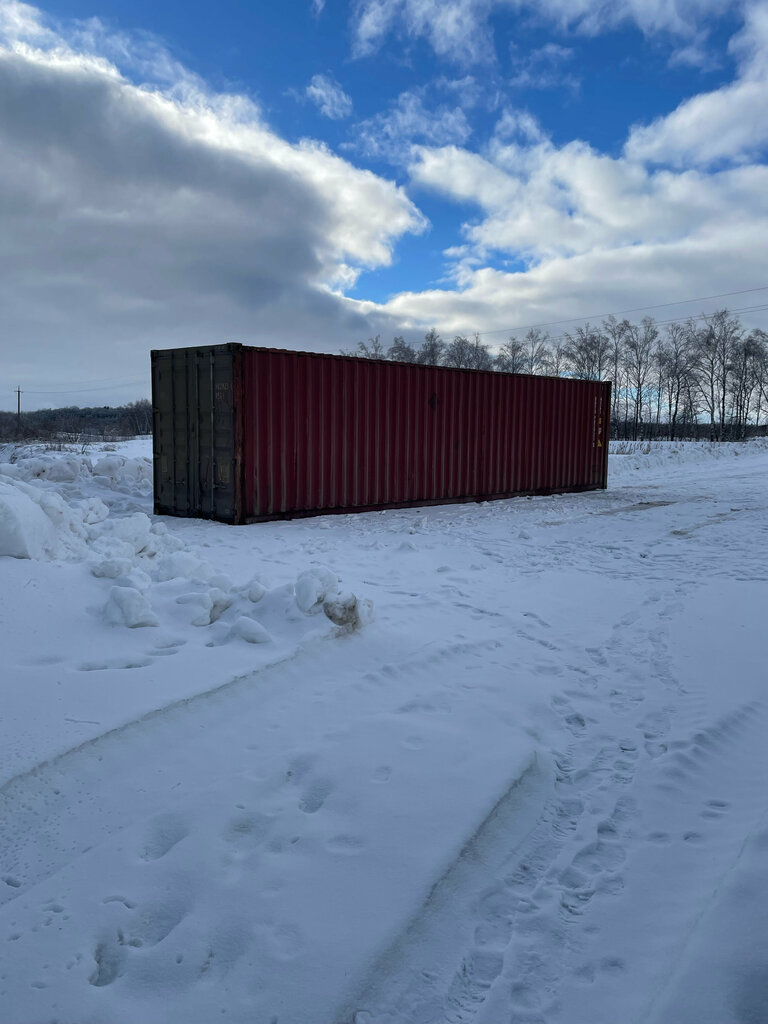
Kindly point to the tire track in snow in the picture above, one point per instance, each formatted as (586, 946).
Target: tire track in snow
(31, 800)
(15, 781)
(514, 898)
(697, 801)
(36, 803)
(526, 902)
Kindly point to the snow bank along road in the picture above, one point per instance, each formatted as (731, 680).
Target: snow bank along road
(486, 763)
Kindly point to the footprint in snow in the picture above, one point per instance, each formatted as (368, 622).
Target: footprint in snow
(247, 828)
(715, 809)
(315, 795)
(108, 957)
(300, 767)
(413, 742)
(152, 922)
(113, 664)
(347, 845)
(165, 832)
(597, 656)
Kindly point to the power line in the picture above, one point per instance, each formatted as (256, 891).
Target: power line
(94, 380)
(79, 391)
(621, 312)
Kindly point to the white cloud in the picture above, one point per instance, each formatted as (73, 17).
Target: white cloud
(329, 97)
(456, 29)
(696, 53)
(468, 91)
(727, 124)
(750, 45)
(23, 24)
(134, 215)
(459, 29)
(596, 282)
(678, 17)
(543, 68)
(517, 124)
(541, 202)
(392, 134)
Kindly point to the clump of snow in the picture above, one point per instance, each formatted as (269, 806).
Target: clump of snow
(183, 564)
(348, 611)
(94, 510)
(318, 590)
(59, 470)
(256, 590)
(313, 587)
(127, 606)
(111, 568)
(250, 630)
(220, 600)
(201, 604)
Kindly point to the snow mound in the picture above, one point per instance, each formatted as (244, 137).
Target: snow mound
(38, 523)
(148, 576)
(117, 472)
(632, 458)
(25, 530)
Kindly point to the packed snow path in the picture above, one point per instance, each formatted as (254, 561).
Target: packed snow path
(532, 789)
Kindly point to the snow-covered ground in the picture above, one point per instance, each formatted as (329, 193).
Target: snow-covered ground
(494, 763)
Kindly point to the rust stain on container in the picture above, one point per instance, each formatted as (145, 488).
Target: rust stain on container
(246, 434)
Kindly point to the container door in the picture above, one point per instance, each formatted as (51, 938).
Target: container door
(195, 458)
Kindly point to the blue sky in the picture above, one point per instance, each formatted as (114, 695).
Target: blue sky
(309, 174)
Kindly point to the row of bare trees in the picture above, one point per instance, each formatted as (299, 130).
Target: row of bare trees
(73, 424)
(705, 377)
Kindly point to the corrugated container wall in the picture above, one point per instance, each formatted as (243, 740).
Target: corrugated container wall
(246, 434)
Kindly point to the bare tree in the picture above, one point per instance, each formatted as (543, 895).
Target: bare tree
(588, 352)
(136, 418)
(480, 355)
(371, 349)
(677, 361)
(744, 383)
(401, 352)
(714, 345)
(432, 349)
(639, 345)
(761, 372)
(458, 353)
(536, 351)
(616, 331)
(511, 357)
(557, 357)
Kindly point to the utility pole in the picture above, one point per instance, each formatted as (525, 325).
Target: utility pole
(18, 412)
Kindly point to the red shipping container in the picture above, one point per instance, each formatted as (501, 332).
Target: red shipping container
(246, 434)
